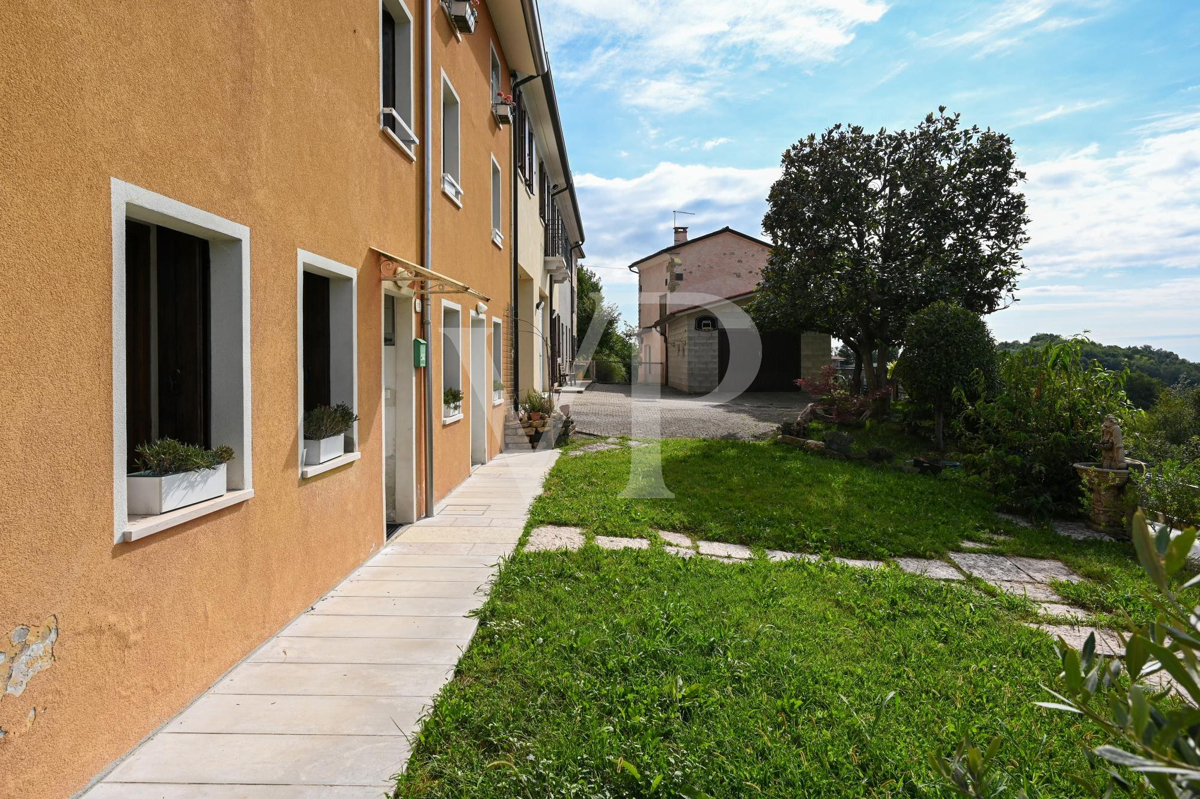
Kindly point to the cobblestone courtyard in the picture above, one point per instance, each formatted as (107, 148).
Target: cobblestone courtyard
(608, 410)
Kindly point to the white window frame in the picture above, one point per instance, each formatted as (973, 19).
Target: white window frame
(343, 348)
(452, 357)
(229, 255)
(404, 88)
(497, 357)
(452, 156)
(497, 204)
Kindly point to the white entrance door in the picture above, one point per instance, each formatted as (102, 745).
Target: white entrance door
(480, 390)
(399, 411)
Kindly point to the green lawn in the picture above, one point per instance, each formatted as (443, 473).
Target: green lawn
(764, 680)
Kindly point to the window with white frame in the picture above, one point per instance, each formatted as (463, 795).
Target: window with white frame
(328, 359)
(181, 356)
(452, 393)
(451, 143)
(497, 361)
(396, 73)
(497, 77)
(497, 204)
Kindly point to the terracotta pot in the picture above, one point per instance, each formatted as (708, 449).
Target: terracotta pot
(534, 416)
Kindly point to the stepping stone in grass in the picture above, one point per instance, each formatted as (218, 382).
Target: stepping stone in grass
(635, 444)
(975, 545)
(860, 564)
(679, 552)
(677, 539)
(777, 556)
(1067, 611)
(1107, 642)
(722, 559)
(990, 567)
(937, 569)
(1079, 531)
(720, 550)
(999, 537)
(1043, 571)
(1012, 517)
(609, 542)
(550, 538)
(599, 446)
(1034, 591)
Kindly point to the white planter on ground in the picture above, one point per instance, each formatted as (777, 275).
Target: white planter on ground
(317, 452)
(150, 495)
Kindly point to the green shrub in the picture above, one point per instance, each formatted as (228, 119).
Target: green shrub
(1171, 429)
(611, 372)
(947, 349)
(324, 421)
(1171, 489)
(168, 456)
(1024, 436)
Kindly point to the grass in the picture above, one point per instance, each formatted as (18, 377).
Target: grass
(637, 674)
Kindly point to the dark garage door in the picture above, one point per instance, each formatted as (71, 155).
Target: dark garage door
(780, 361)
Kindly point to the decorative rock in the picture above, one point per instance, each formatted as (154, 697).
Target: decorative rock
(937, 569)
(792, 441)
(1079, 531)
(599, 446)
(814, 446)
(720, 550)
(609, 542)
(777, 556)
(1034, 591)
(860, 564)
(550, 538)
(680, 552)
(678, 539)
(990, 567)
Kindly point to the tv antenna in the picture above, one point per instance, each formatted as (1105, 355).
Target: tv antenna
(675, 217)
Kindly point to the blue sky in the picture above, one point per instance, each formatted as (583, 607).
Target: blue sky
(688, 104)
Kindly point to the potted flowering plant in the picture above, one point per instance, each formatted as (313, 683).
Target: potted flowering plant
(464, 14)
(537, 405)
(497, 389)
(451, 402)
(325, 432)
(174, 475)
(503, 108)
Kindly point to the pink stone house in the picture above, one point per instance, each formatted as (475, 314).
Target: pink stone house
(683, 344)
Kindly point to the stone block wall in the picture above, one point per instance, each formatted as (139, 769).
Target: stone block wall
(702, 357)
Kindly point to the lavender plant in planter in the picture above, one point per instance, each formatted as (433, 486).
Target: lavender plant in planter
(174, 475)
(325, 432)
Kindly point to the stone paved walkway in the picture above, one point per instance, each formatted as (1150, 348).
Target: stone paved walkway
(326, 707)
(1028, 577)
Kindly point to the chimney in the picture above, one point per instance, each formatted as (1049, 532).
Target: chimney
(681, 235)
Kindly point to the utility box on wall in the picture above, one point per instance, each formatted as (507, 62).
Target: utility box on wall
(420, 350)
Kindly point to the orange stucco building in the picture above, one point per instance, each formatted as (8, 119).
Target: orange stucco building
(216, 212)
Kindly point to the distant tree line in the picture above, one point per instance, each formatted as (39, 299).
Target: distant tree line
(1150, 369)
(615, 353)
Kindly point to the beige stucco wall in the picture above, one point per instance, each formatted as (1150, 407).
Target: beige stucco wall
(265, 114)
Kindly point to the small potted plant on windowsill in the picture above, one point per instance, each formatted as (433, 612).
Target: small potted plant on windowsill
(451, 403)
(503, 108)
(174, 475)
(497, 390)
(464, 14)
(325, 432)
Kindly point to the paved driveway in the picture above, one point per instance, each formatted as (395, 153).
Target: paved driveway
(608, 411)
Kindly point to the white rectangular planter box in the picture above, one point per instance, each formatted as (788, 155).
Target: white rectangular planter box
(464, 15)
(151, 496)
(503, 113)
(317, 452)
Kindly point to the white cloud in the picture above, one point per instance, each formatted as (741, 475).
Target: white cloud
(1011, 22)
(679, 55)
(1060, 110)
(1138, 207)
(713, 144)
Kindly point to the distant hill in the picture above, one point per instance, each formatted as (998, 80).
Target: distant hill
(1151, 370)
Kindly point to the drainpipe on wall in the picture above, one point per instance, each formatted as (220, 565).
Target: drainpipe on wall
(426, 314)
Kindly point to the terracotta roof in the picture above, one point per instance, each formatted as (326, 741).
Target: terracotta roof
(681, 245)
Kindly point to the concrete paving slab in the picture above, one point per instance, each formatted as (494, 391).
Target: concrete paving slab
(403, 606)
(551, 538)
(330, 679)
(409, 588)
(860, 564)
(778, 556)
(302, 715)
(475, 534)
(1034, 591)
(431, 574)
(989, 567)
(609, 542)
(936, 569)
(1043, 571)
(676, 539)
(403, 547)
(160, 790)
(1067, 611)
(393, 651)
(412, 561)
(312, 626)
(679, 552)
(723, 550)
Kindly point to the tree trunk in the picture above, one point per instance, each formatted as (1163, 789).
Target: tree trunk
(884, 403)
(858, 371)
(939, 421)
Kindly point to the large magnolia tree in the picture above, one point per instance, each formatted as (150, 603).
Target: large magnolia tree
(870, 228)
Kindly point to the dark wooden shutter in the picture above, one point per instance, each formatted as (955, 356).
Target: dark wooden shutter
(139, 422)
(316, 341)
(388, 67)
(183, 337)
